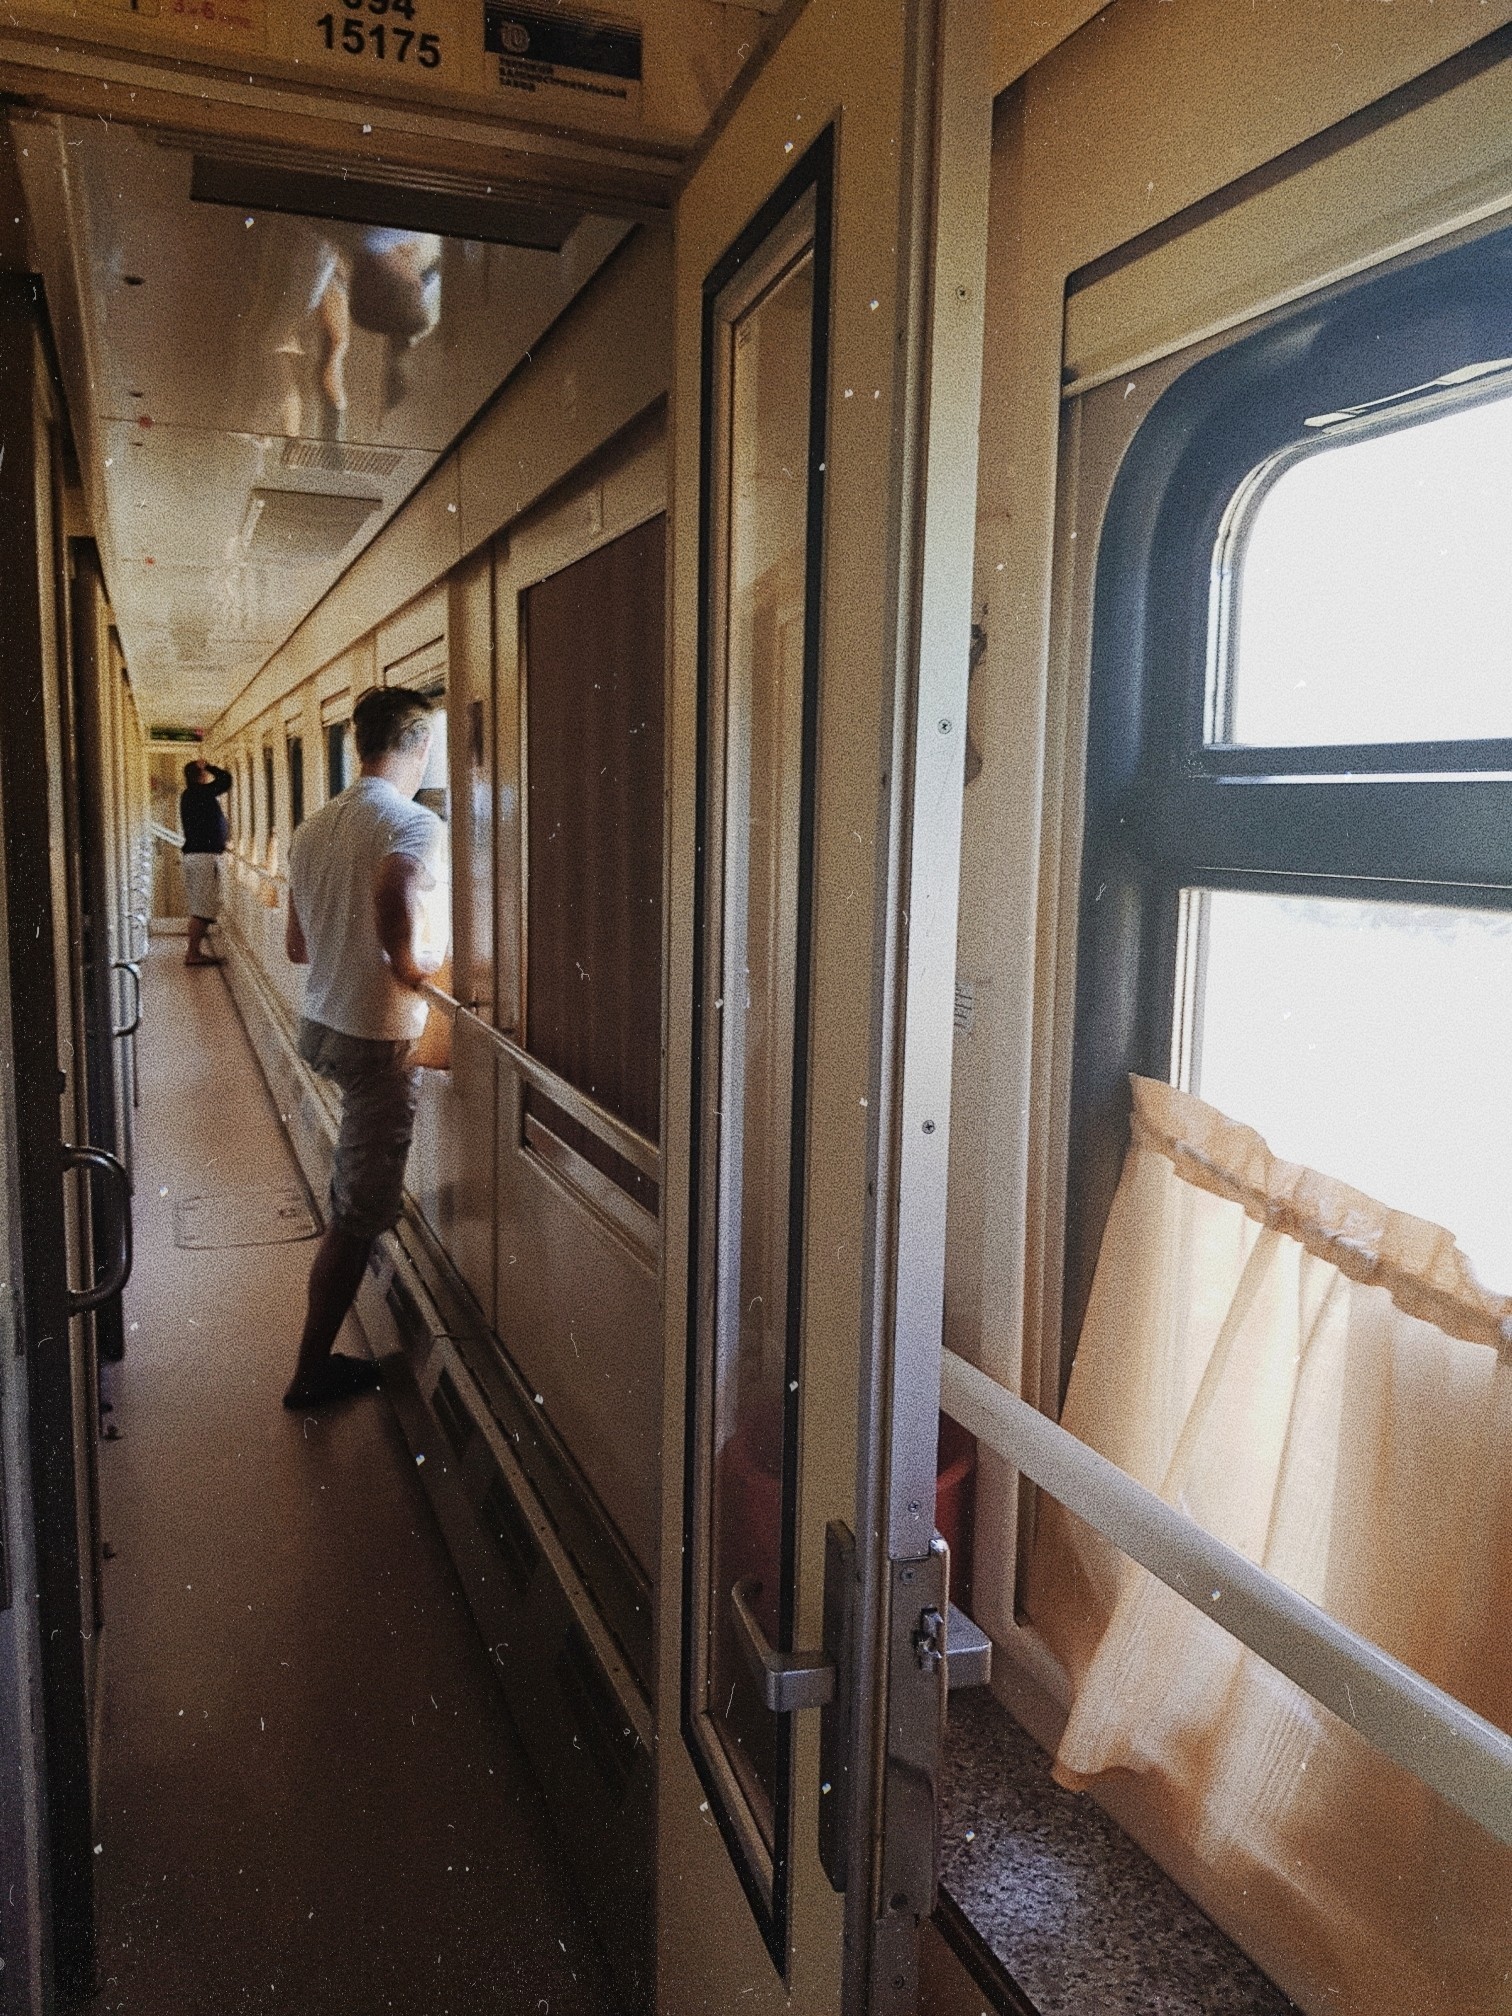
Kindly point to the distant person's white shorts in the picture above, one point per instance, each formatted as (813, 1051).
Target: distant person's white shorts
(202, 885)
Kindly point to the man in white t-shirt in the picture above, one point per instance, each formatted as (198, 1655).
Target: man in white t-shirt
(361, 871)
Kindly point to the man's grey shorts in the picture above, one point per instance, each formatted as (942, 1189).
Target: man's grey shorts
(202, 886)
(380, 1090)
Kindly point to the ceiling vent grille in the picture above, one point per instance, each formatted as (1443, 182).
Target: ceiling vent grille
(338, 459)
(305, 524)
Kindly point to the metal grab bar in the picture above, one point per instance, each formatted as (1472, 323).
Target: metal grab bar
(1459, 1754)
(131, 967)
(640, 1153)
(81, 1299)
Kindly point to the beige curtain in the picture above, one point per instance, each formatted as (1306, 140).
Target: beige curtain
(1322, 1383)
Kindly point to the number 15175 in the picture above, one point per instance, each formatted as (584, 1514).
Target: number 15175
(388, 40)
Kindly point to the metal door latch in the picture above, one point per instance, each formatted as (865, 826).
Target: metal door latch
(963, 1647)
(929, 1641)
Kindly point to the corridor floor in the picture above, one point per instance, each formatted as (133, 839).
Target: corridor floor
(312, 1800)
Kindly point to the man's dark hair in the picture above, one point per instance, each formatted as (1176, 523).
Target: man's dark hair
(390, 720)
(191, 770)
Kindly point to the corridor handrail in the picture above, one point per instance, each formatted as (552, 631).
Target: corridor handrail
(641, 1154)
(267, 874)
(1461, 1755)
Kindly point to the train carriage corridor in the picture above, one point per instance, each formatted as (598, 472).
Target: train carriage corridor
(772, 742)
(312, 1798)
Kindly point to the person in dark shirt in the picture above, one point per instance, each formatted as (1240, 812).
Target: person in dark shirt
(203, 819)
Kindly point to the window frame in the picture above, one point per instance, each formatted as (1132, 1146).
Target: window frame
(1165, 809)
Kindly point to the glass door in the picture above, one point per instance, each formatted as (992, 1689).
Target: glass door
(826, 373)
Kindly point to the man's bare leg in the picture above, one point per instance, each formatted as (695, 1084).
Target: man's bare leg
(335, 1277)
(197, 955)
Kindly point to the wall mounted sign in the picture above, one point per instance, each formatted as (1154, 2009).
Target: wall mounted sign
(542, 54)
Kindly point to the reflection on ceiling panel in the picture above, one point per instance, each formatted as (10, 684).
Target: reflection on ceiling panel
(254, 392)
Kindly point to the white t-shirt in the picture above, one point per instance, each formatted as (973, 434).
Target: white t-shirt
(333, 866)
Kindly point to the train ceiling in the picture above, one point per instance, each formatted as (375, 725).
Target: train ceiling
(253, 393)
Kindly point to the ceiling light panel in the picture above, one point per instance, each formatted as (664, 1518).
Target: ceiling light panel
(305, 524)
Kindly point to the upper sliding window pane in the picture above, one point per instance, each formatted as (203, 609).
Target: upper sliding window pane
(1371, 600)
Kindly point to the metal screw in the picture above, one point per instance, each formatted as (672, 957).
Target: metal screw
(929, 1126)
(944, 727)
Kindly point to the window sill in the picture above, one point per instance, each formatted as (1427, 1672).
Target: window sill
(1068, 1905)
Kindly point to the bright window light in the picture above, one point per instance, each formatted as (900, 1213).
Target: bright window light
(1371, 591)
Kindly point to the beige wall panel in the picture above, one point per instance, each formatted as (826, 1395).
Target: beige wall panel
(1154, 106)
(1025, 31)
(614, 493)
(603, 364)
(417, 546)
(422, 622)
(577, 1306)
(345, 676)
(1145, 111)
(465, 1204)
(1393, 190)
(578, 1312)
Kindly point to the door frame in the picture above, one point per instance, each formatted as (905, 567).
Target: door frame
(900, 637)
(28, 656)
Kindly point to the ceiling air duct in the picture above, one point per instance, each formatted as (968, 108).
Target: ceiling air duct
(450, 207)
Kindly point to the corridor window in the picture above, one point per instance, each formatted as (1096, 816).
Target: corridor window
(295, 752)
(270, 807)
(338, 736)
(435, 785)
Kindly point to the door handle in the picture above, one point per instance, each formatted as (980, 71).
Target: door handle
(131, 968)
(119, 1272)
(786, 1681)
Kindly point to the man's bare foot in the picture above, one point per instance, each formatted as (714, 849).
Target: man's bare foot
(341, 1377)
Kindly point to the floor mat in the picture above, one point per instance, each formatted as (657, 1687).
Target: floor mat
(265, 1214)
